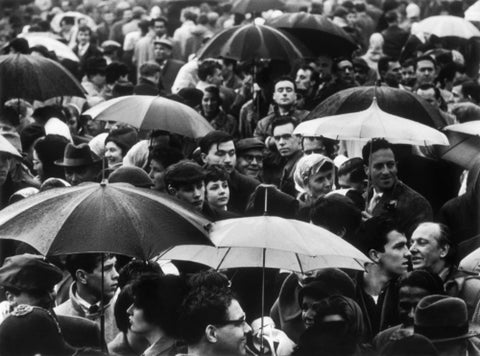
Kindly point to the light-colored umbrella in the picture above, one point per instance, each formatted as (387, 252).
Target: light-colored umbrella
(473, 12)
(372, 123)
(7, 147)
(464, 143)
(152, 113)
(78, 16)
(448, 26)
(471, 262)
(60, 49)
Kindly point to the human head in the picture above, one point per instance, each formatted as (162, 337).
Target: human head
(380, 164)
(430, 94)
(151, 70)
(324, 65)
(391, 17)
(314, 175)
(320, 145)
(83, 35)
(210, 71)
(425, 70)
(361, 70)
(185, 181)
(162, 49)
(46, 151)
(431, 247)
(86, 271)
(212, 319)
(80, 164)
(116, 72)
(351, 174)
(159, 26)
(161, 157)
(284, 92)
(217, 191)
(286, 142)
(217, 147)
(211, 102)
(117, 144)
(390, 71)
(306, 79)
(343, 69)
(250, 157)
(408, 73)
(380, 239)
(95, 69)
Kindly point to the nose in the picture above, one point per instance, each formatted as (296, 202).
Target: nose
(247, 328)
(228, 158)
(411, 313)
(114, 273)
(130, 310)
(197, 192)
(407, 253)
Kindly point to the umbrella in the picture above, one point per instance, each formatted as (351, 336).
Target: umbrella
(464, 143)
(391, 100)
(252, 43)
(247, 6)
(448, 26)
(6, 146)
(55, 23)
(152, 112)
(471, 263)
(372, 123)
(35, 78)
(60, 49)
(329, 38)
(473, 12)
(96, 218)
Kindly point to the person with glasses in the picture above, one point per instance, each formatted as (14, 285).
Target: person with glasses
(250, 157)
(213, 323)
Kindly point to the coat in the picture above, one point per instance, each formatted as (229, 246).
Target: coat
(168, 74)
(264, 126)
(241, 187)
(80, 332)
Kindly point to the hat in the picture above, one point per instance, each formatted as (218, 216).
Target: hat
(124, 138)
(110, 43)
(412, 10)
(191, 96)
(20, 45)
(133, 175)
(29, 272)
(31, 330)
(30, 134)
(443, 318)
(250, 143)
(184, 172)
(95, 65)
(14, 138)
(327, 282)
(77, 156)
(164, 42)
(413, 345)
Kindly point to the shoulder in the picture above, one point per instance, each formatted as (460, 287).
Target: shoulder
(66, 308)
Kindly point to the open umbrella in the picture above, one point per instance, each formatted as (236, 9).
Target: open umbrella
(391, 100)
(52, 44)
(7, 147)
(464, 143)
(152, 112)
(96, 218)
(247, 6)
(78, 16)
(35, 78)
(329, 38)
(372, 123)
(448, 26)
(473, 12)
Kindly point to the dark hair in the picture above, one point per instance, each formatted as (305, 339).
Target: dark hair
(471, 90)
(336, 61)
(49, 149)
(134, 269)
(328, 143)
(391, 16)
(166, 155)
(160, 297)
(424, 279)
(373, 146)
(43, 114)
(207, 67)
(425, 58)
(148, 69)
(408, 63)
(159, 19)
(213, 138)
(114, 71)
(85, 261)
(215, 92)
(372, 234)
(283, 120)
(438, 95)
(215, 173)
(384, 62)
(314, 77)
(285, 78)
(85, 28)
(208, 279)
(203, 306)
(123, 302)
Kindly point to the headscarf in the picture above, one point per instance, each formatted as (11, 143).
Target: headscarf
(307, 167)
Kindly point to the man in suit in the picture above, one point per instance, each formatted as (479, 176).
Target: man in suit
(84, 48)
(163, 48)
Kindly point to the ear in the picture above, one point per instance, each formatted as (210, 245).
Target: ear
(81, 276)
(10, 298)
(366, 169)
(203, 156)
(444, 250)
(211, 333)
(171, 190)
(374, 255)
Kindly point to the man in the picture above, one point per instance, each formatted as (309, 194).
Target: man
(212, 322)
(30, 279)
(314, 144)
(431, 94)
(86, 291)
(84, 49)
(80, 164)
(432, 249)
(210, 74)
(394, 36)
(161, 157)
(250, 157)
(307, 81)
(425, 70)
(408, 75)
(389, 70)
(95, 80)
(284, 98)
(162, 49)
(288, 145)
(343, 78)
(148, 83)
(388, 196)
(230, 79)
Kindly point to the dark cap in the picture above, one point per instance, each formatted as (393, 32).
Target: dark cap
(20, 45)
(132, 175)
(184, 172)
(29, 272)
(191, 96)
(328, 282)
(250, 143)
(351, 165)
(78, 156)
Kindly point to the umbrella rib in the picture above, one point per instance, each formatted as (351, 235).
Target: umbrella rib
(299, 263)
(223, 258)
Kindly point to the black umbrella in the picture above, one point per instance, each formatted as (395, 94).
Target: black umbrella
(320, 34)
(35, 78)
(247, 6)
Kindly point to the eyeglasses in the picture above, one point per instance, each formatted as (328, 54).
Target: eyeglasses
(237, 322)
(250, 158)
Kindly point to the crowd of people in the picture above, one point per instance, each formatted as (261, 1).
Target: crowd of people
(412, 213)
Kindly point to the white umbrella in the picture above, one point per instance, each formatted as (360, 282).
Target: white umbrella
(471, 262)
(464, 145)
(372, 123)
(52, 44)
(78, 16)
(448, 26)
(469, 128)
(473, 12)
(7, 147)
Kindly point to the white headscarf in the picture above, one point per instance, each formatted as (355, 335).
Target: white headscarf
(307, 167)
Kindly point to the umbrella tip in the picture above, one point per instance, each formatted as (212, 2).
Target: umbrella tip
(104, 182)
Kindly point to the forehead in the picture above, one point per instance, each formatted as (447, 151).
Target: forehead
(284, 84)
(344, 63)
(223, 146)
(283, 129)
(383, 155)
(393, 65)
(426, 93)
(426, 231)
(234, 310)
(412, 292)
(212, 182)
(407, 69)
(312, 142)
(109, 262)
(394, 237)
(306, 72)
(159, 24)
(425, 64)
(252, 151)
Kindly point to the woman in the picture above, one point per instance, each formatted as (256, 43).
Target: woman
(217, 192)
(117, 144)
(212, 111)
(46, 151)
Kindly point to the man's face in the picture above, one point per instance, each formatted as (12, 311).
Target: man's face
(429, 96)
(345, 72)
(83, 37)
(162, 52)
(6, 163)
(395, 258)
(360, 74)
(77, 175)
(408, 76)
(382, 169)
(393, 76)
(250, 163)
(232, 337)
(216, 78)
(304, 80)
(110, 279)
(287, 144)
(409, 297)
(157, 173)
(425, 72)
(222, 154)
(284, 94)
(324, 66)
(159, 28)
(313, 145)
(193, 193)
(138, 324)
(426, 251)
(458, 94)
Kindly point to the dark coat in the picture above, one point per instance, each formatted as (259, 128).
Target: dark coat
(80, 332)
(241, 187)
(168, 74)
(146, 87)
(395, 38)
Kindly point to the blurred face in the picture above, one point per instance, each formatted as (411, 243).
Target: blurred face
(345, 72)
(222, 154)
(393, 76)
(160, 28)
(210, 105)
(308, 313)
(113, 154)
(98, 79)
(395, 258)
(250, 163)
(95, 127)
(83, 37)
(216, 78)
(138, 324)
(46, 300)
(157, 173)
(408, 76)
(303, 80)
(426, 252)
(320, 184)
(6, 163)
(429, 96)
(425, 72)
(218, 194)
(162, 52)
(458, 94)
(38, 166)
(284, 94)
(324, 66)
(77, 175)
(409, 297)
(313, 145)
(360, 74)
(287, 144)
(110, 283)
(193, 194)
(382, 169)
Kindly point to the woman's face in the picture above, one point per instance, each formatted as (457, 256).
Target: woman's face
(83, 37)
(209, 104)
(113, 154)
(38, 165)
(218, 194)
(138, 324)
(6, 162)
(320, 184)
(157, 172)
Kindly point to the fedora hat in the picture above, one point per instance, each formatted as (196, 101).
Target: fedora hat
(77, 156)
(442, 318)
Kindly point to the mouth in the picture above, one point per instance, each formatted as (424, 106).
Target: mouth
(198, 203)
(222, 199)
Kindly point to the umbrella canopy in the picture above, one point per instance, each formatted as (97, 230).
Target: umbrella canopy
(35, 78)
(246, 6)
(464, 144)
(252, 42)
(7, 147)
(152, 112)
(473, 12)
(448, 26)
(372, 123)
(391, 100)
(78, 16)
(471, 263)
(94, 218)
(52, 44)
(274, 242)
(330, 38)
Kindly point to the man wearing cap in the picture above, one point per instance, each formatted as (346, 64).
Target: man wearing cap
(250, 157)
(148, 83)
(30, 279)
(81, 164)
(169, 67)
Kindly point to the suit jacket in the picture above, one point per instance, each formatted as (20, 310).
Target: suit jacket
(241, 187)
(395, 38)
(168, 75)
(80, 332)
